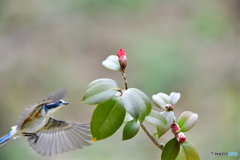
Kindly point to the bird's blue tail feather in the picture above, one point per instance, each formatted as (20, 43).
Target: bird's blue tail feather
(5, 138)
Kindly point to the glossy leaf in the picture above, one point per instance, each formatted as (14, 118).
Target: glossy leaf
(160, 100)
(112, 63)
(130, 130)
(187, 120)
(144, 98)
(171, 150)
(188, 152)
(107, 118)
(99, 91)
(169, 116)
(131, 104)
(156, 119)
(128, 118)
(142, 105)
(174, 97)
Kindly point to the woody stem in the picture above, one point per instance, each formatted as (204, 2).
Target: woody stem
(159, 145)
(125, 79)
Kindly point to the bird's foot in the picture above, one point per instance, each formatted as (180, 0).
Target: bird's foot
(32, 136)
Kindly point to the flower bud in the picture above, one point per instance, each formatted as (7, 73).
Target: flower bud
(122, 59)
(169, 107)
(181, 137)
(175, 128)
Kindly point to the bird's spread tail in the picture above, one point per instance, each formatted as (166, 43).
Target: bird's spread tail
(6, 138)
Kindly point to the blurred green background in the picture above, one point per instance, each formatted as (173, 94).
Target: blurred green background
(191, 47)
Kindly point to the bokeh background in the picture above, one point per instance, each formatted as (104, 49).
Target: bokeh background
(191, 47)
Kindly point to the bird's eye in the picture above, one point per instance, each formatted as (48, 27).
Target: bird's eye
(61, 101)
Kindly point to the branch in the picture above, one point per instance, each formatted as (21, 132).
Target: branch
(159, 145)
(125, 79)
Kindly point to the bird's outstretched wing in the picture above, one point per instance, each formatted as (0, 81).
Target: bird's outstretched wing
(60, 136)
(55, 96)
(29, 111)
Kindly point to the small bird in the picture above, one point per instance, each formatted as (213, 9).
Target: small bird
(46, 135)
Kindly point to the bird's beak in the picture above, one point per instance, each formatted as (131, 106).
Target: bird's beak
(65, 103)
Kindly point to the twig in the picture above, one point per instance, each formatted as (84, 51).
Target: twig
(125, 79)
(159, 145)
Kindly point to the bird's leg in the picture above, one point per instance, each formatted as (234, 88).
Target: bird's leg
(32, 136)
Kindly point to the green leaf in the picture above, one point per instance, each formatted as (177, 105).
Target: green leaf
(144, 98)
(132, 103)
(99, 91)
(187, 120)
(156, 119)
(130, 130)
(160, 100)
(174, 97)
(142, 105)
(107, 118)
(128, 118)
(171, 150)
(169, 116)
(188, 152)
(112, 63)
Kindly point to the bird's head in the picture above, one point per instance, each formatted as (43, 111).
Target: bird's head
(52, 107)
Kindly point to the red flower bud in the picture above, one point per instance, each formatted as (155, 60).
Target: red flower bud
(175, 128)
(121, 53)
(122, 58)
(169, 107)
(181, 137)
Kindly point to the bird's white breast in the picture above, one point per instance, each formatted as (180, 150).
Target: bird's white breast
(36, 123)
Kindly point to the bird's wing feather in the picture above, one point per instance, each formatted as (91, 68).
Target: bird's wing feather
(60, 136)
(51, 98)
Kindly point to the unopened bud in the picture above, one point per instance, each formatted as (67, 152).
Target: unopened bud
(169, 107)
(181, 137)
(122, 59)
(175, 128)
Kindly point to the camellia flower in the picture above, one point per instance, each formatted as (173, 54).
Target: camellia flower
(122, 58)
(181, 137)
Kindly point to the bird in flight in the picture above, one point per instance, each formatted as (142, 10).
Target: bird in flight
(46, 135)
